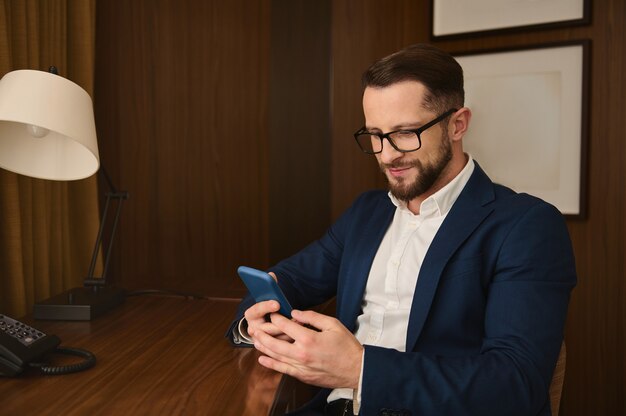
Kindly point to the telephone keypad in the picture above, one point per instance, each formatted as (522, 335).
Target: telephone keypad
(18, 330)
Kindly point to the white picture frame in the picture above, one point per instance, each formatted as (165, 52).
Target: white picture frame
(529, 125)
(452, 18)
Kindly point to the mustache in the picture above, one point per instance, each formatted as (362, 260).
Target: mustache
(399, 165)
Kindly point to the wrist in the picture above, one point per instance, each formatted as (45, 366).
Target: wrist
(358, 374)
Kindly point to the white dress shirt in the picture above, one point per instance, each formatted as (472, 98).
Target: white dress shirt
(391, 282)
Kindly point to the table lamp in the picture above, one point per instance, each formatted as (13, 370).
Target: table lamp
(47, 131)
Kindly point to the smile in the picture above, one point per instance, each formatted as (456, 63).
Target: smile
(397, 172)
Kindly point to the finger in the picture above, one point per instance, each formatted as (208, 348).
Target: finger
(292, 328)
(272, 364)
(255, 315)
(273, 276)
(316, 320)
(260, 309)
(278, 349)
(285, 337)
(270, 329)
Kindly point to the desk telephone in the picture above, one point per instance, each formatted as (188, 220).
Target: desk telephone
(22, 346)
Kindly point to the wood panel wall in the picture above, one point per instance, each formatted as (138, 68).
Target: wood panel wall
(208, 113)
(596, 369)
(300, 138)
(363, 31)
(181, 102)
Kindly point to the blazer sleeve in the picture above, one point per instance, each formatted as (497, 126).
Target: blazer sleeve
(525, 311)
(309, 278)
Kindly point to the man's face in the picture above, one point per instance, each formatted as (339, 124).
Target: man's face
(399, 106)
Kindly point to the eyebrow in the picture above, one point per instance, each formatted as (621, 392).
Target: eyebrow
(401, 126)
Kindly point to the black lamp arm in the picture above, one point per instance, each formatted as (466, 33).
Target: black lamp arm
(119, 196)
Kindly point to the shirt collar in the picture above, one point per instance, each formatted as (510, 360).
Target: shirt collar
(441, 202)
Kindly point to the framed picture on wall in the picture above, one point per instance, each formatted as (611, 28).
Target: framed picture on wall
(530, 118)
(453, 18)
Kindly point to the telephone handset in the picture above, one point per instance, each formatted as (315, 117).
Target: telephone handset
(22, 346)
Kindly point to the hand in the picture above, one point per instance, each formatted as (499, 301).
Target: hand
(328, 358)
(255, 316)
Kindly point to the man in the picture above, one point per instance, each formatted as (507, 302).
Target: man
(452, 291)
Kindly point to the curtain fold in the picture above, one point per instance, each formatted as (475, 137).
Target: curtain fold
(47, 228)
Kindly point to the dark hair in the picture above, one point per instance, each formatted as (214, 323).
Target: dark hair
(437, 70)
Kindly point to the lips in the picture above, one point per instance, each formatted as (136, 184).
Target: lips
(398, 171)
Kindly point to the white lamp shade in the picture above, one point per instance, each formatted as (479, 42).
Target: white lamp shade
(35, 104)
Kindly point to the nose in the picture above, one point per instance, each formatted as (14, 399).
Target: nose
(389, 153)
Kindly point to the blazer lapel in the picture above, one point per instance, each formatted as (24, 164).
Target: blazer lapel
(357, 272)
(466, 214)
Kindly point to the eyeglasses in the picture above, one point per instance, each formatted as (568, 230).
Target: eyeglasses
(404, 141)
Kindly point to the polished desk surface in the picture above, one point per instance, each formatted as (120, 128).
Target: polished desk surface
(156, 355)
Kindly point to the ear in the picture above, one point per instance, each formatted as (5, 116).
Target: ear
(460, 122)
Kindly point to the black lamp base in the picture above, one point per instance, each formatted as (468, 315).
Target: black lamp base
(79, 304)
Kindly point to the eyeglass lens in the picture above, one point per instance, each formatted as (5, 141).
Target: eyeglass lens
(403, 140)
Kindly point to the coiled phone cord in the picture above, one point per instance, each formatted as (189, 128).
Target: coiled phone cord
(88, 362)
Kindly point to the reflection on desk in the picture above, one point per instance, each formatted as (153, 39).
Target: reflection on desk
(156, 355)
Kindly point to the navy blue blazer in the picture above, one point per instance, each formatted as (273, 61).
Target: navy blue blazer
(488, 314)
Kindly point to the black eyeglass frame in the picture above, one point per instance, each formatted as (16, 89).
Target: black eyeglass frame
(418, 131)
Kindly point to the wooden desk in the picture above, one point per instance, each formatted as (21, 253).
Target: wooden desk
(156, 355)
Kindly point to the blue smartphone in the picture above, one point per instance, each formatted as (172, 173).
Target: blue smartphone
(263, 287)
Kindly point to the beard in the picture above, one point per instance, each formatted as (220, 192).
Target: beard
(427, 173)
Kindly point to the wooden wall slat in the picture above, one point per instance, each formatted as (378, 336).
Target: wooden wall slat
(300, 141)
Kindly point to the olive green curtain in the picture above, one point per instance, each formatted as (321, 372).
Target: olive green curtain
(47, 228)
